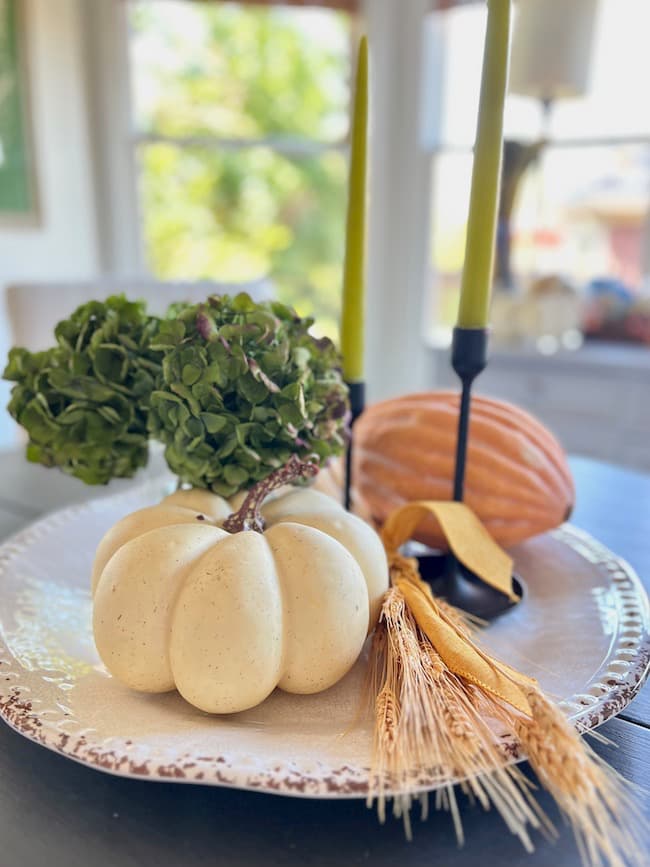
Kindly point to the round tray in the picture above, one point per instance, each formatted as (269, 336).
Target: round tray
(582, 630)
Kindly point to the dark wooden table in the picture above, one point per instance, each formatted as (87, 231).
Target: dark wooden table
(55, 812)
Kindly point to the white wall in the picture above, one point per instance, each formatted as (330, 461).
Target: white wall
(64, 242)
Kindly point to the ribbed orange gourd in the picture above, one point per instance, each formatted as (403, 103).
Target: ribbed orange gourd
(517, 478)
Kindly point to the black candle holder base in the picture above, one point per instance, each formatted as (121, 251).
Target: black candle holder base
(450, 580)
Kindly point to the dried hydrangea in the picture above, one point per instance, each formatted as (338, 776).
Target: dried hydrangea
(84, 403)
(244, 386)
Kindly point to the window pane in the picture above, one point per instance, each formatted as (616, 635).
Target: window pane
(580, 215)
(451, 187)
(244, 214)
(239, 71)
(614, 106)
(452, 81)
(616, 103)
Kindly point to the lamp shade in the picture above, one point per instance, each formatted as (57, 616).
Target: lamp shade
(551, 48)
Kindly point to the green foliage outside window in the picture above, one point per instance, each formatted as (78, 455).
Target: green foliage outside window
(211, 81)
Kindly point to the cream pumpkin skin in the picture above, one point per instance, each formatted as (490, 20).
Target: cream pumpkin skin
(181, 602)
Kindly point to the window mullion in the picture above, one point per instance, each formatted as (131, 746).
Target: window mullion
(283, 145)
(551, 144)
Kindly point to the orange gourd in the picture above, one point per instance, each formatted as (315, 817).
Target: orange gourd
(517, 478)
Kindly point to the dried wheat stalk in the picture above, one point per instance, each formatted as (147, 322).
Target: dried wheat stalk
(433, 725)
(595, 799)
(428, 723)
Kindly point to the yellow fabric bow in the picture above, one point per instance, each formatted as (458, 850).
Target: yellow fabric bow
(475, 548)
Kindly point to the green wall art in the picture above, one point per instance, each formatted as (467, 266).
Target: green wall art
(17, 179)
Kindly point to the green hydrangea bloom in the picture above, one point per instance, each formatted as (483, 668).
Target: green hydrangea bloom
(244, 386)
(84, 402)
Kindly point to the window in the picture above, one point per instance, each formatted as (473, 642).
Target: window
(239, 132)
(580, 218)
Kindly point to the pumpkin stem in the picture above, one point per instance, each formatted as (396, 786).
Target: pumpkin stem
(248, 516)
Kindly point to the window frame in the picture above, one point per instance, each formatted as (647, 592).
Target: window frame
(399, 200)
(438, 336)
(286, 145)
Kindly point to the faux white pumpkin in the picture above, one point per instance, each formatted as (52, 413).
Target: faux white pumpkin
(225, 617)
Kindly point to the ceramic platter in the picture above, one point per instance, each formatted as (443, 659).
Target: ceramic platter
(582, 630)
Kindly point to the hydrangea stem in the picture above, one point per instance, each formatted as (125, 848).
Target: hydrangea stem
(248, 516)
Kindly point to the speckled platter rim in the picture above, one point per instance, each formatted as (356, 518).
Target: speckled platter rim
(611, 688)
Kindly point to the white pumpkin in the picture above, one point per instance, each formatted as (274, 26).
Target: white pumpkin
(179, 602)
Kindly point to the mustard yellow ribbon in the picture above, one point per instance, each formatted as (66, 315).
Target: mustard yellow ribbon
(467, 537)
(475, 548)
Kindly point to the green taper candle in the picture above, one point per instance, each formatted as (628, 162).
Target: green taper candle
(354, 270)
(479, 251)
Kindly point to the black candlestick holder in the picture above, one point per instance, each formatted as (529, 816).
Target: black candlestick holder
(357, 395)
(447, 576)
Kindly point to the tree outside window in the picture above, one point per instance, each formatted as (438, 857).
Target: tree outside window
(240, 125)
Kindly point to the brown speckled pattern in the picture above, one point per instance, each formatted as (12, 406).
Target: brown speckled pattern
(26, 688)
